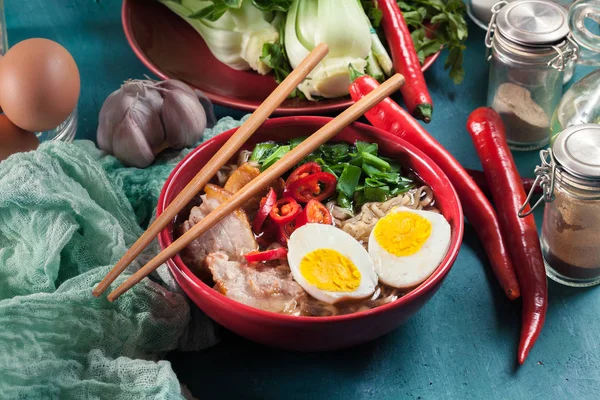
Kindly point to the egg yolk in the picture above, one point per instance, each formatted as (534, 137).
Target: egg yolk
(330, 270)
(402, 233)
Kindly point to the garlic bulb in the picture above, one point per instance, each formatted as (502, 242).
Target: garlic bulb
(183, 118)
(144, 117)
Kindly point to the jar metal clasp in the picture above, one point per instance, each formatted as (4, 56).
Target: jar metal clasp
(571, 54)
(492, 25)
(545, 178)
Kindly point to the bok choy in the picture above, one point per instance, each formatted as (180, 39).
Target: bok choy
(234, 31)
(341, 24)
(277, 35)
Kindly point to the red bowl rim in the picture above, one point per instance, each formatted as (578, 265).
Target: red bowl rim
(177, 266)
(232, 102)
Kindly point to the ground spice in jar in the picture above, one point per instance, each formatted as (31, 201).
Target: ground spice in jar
(571, 236)
(570, 176)
(524, 119)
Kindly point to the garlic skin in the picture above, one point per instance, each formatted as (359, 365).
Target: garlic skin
(209, 111)
(130, 144)
(113, 110)
(183, 118)
(173, 84)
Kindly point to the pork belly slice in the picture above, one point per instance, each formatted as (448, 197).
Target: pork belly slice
(269, 287)
(232, 235)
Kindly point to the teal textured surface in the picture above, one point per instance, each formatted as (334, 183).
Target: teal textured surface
(461, 345)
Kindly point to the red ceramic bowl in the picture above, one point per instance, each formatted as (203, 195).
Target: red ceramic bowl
(171, 48)
(314, 333)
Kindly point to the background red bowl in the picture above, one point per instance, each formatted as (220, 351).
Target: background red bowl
(314, 333)
(171, 48)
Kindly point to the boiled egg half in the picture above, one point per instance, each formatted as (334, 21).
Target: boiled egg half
(408, 245)
(330, 264)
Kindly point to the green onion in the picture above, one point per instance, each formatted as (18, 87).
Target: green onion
(376, 162)
(364, 147)
(343, 201)
(378, 194)
(348, 180)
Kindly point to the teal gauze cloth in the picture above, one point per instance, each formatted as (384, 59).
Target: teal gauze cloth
(68, 212)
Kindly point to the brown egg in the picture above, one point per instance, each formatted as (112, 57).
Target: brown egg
(14, 139)
(39, 84)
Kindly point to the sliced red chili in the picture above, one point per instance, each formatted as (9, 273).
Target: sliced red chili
(267, 255)
(284, 232)
(314, 212)
(269, 234)
(303, 171)
(318, 186)
(266, 204)
(285, 210)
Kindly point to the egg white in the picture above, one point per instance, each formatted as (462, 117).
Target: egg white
(311, 237)
(406, 272)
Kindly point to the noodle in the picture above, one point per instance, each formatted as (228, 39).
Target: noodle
(312, 307)
(360, 225)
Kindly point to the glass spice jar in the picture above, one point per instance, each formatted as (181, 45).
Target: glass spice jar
(570, 178)
(530, 50)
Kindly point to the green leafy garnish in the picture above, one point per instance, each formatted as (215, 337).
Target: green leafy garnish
(362, 175)
(274, 157)
(262, 151)
(436, 24)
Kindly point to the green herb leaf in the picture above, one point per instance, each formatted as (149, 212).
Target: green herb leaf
(296, 141)
(275, 156)
(262, 151)
(274, 56)
(371, 10)
(450, 30)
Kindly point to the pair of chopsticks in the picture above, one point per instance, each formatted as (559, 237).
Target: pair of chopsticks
(229, 149)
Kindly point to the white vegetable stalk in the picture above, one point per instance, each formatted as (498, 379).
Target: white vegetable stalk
(342, 25)
(235, 39)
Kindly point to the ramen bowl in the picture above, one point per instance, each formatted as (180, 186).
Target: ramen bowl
(314, 333)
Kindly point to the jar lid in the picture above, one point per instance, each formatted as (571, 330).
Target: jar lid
(533, 22)
(577, 150)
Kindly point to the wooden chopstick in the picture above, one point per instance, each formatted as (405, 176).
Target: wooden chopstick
(225, 153)
(264, 179)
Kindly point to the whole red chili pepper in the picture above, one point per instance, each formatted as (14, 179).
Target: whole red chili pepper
(406, 61)
(480, 180)
(487, 131)
(389, 116)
